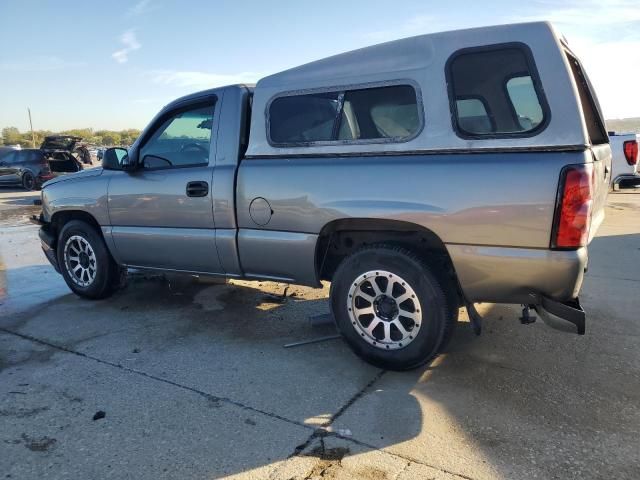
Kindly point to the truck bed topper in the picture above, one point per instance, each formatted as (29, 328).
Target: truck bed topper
(424, 62)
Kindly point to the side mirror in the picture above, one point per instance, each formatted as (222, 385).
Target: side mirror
(116, 159)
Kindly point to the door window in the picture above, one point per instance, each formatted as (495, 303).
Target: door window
(9, 159)
(183, 140)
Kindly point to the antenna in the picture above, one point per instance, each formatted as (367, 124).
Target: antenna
(33, 137)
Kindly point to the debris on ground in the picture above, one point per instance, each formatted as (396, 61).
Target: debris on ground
(99, 415)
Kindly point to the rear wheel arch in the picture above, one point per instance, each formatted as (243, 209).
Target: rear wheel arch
(340, 238)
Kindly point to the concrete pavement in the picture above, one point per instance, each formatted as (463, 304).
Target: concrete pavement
(195, 382)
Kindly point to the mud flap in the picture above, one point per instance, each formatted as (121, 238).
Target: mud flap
(564, 316)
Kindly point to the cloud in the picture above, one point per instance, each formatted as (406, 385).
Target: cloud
(130, 42)
(586, 13)
(39, 64)
(139, 8)
(605, 34)
(196, 79)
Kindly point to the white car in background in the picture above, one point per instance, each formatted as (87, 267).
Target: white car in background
(624, 163)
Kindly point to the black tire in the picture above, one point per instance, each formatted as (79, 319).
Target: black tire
(449, 286)
(29, 181)
(107, 273)
(436, 319)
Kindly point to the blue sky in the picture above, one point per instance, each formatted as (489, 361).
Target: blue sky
(115, 64)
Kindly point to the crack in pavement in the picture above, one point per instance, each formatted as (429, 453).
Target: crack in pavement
(323, 432)
(318, 433)
(206, 395)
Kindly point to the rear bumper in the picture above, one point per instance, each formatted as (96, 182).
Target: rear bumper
(518, 275)
(629, 180)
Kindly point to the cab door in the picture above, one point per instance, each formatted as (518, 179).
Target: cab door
(162, 213)
(9, 168)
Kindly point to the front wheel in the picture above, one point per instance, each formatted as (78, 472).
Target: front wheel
(85, 263)
(389, 307)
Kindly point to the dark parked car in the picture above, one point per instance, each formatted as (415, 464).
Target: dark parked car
(31, 167)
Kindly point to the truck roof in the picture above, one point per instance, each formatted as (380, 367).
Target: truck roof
(208, 92)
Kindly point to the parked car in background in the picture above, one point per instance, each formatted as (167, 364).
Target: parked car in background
(31, 167)
(625, 172)
(355, 169)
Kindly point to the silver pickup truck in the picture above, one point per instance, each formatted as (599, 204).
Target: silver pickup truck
(417, 176)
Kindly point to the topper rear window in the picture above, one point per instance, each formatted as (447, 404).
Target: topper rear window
(495, 92)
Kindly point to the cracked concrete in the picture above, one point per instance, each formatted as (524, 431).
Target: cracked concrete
(195, 382)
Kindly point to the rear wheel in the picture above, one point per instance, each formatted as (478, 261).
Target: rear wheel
(390, 308)
(85, 263)
(28, 181)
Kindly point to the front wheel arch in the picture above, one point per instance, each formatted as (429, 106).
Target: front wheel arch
(61, 218)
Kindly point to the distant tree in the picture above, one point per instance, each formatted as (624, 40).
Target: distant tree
(84, 133)
(111, 138)
(11, 136)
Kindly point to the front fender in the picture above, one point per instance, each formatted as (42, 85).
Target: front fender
(77, 192)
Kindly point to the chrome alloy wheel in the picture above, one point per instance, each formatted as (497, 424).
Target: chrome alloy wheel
(80, 260)
(384, 309)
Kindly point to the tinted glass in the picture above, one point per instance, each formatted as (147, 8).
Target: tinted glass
(9, 157)
(590, 105)
(385, 112)
(525, 102)
(34, 156)
(473, 116)
(182, 140)
(501, 80)
(303, 118)
(372, 113)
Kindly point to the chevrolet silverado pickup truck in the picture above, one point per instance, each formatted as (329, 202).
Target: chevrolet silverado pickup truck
(624, 160)
(417, 176)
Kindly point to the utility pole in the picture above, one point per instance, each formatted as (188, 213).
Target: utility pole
(33, 137)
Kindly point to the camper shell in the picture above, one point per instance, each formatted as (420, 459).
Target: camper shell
(423, 62)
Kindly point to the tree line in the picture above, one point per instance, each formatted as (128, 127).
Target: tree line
(107, 138)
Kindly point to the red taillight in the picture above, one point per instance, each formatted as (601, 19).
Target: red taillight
(573, 213)
(630, 148)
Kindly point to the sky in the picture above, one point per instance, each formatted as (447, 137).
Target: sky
(113, 65)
